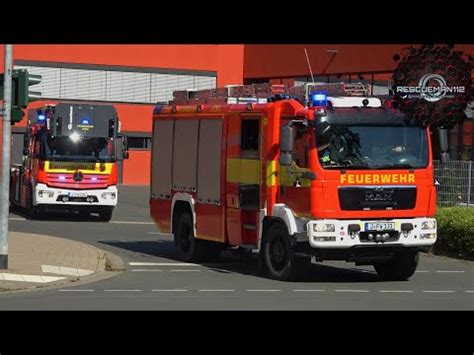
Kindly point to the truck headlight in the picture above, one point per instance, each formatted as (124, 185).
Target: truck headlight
(111, 195)
(45, 193)
(428, 225)
(324, 227)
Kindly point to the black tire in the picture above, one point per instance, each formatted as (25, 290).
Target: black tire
(278, 254)
(105, 214)
(401, 267)
(34, 212)
(188, 248)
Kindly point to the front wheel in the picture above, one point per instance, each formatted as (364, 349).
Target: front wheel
(189, 249)
(278, 254)
(34, 212)
(401, 267)
(105, 214)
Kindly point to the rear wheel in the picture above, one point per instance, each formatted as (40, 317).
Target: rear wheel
(278, 254)
(401, 267)
(105, 214)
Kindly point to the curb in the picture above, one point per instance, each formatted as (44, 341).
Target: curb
(108, 265)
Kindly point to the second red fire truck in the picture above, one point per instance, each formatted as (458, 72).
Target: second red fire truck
(334, 178)
(69, 160)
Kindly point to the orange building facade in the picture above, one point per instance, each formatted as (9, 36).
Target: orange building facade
(135, 77)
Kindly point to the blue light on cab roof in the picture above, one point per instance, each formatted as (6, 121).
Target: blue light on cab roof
(319, 99)
(85, 121)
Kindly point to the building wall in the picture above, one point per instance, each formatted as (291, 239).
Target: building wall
(286, 61)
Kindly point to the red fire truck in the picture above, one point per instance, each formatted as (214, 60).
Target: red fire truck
(310, 175)
(69, 160)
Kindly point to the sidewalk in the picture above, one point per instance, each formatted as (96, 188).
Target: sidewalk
(42, 261)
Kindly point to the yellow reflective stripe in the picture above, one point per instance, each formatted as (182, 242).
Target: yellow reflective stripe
(289, 175)
(244, 171)
(70, 167)
(271, 172)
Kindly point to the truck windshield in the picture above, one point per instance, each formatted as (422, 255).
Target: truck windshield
(373, 147)
(93, 149)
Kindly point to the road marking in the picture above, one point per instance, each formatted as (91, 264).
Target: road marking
(130, 222)
(122, 290)
(450, 271)
(114, 222)
(263, 290)
(146, 270)
(181, 270)
(469, 291)
(443, 291)
(351, 290)
(309, 290)
(222, 290)
(29, 278)
(172, 290)
(62, 270)
(75, 290)
(17, 219)
(395, 291)
(421, 271)
(160, 264)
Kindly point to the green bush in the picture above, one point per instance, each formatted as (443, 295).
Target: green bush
(455, 232)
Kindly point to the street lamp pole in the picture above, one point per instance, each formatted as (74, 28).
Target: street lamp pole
(6, 151)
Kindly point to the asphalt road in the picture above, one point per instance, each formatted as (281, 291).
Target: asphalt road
(156, 280)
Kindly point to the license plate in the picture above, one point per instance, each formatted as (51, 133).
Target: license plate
(77, 194)
(379, 226)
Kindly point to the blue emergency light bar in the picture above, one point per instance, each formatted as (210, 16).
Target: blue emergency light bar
(319, 99)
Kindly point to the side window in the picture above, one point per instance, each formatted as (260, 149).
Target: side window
(139, 142)
(301, 147)
(249, 138)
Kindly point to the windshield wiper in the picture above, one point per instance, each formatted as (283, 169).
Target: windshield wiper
(347, 167)
(395, 166)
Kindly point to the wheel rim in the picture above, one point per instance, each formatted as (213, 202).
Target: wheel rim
(278, 253)
(185, 238)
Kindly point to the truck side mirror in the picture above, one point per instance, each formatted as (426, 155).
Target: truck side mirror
(125, 147)
(286, 145)
(443, 145)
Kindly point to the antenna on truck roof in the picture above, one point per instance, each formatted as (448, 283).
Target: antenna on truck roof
(309, 65)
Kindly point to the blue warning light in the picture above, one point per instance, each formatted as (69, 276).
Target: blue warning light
(85, 121)
(41, 117)
(319, 99)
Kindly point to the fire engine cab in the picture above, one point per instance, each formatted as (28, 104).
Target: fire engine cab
(294, 174)
(69, 160)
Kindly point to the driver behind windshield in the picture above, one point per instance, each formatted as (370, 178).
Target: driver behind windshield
(372, 146)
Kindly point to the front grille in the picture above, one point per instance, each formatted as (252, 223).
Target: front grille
(356, 198)
(66, 198)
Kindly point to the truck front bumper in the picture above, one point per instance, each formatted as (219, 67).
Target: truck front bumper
(44, 195)
(345, 234)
